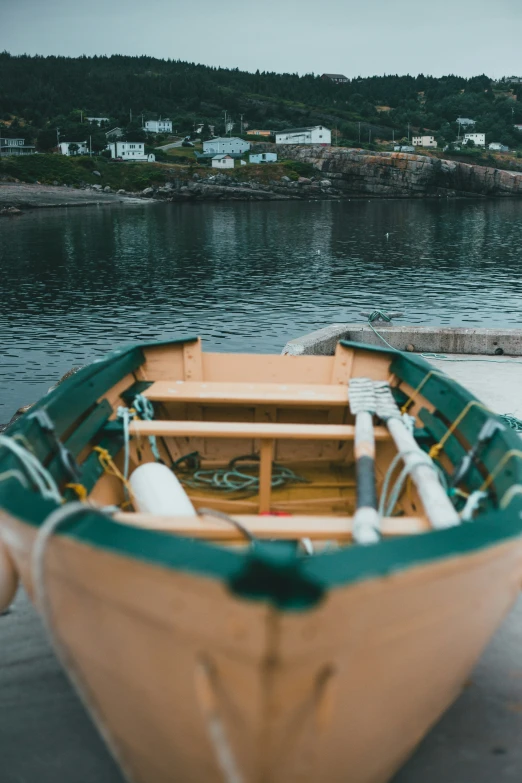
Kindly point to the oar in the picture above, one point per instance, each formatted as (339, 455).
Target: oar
(362, 406)
(420, 466)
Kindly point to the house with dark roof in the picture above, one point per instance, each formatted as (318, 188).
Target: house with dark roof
(338, 78)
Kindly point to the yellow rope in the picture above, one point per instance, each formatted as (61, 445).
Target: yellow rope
(505, 459)
(111, 469)
(437, 448)
(80, 490)
(509, 494)
(414, 394)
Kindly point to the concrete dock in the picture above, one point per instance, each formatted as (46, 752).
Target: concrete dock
(46, 736)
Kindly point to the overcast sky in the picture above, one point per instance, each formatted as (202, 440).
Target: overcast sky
(354, 37)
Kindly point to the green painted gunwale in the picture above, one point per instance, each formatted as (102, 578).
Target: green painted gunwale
(274, 574)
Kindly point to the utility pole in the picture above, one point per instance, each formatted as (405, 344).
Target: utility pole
(393, 135)
(359, 133)
(408, 131)
(130, 114)
(90, 146)
(241, 115)
(226, 126)
(81, 116)
(57, 137)
(369, 136)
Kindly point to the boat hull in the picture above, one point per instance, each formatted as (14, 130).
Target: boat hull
(179, 673)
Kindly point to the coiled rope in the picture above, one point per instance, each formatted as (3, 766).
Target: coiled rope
(230, 479)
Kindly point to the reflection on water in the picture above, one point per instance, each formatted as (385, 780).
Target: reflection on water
(243, 276)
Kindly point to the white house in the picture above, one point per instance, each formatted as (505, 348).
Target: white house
(15, 147)
(466, 122)
(424, 141)
(130, 150)
(478, 138)
(83, 148)
(226, 145)
(316, 134)
(498, 147)
(263, 157)
(518, 127)
(158, 126)
(97, 120)
(222, 162)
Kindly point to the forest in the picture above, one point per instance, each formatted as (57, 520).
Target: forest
(46, 98)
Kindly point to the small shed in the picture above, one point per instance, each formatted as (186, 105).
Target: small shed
(263, 157)
(222, 162)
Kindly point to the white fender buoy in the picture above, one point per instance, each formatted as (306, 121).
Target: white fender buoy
(156, 490)
(8, 578)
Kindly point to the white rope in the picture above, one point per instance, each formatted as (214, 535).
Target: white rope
(472, 504)
(34, 468)
(54, 521)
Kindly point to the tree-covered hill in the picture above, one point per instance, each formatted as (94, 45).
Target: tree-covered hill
(40, 94)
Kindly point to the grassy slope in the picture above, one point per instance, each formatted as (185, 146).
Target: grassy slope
(61, 170)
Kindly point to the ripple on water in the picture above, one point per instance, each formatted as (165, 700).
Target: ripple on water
(243, 276)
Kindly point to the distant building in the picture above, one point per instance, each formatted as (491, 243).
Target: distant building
(338, 78)
(201, 125)
(259, 133)
(478, 138)
(466, 122)
(15, 147)
(404, 148)
(115, 133)
(316, 134)
(226, 144)
(79, 148)
(97, 120)
(515, 79)
(518, 127)
(222, 162)
(130, 150)
(158, 126)
(263, 157)
(424, 141)
(496, 146)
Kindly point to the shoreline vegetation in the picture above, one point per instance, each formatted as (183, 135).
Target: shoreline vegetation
(334, 173)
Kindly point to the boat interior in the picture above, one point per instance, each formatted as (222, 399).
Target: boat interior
(265, 439)
(231, 448)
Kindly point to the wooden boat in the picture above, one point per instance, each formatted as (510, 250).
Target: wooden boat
(302, 635)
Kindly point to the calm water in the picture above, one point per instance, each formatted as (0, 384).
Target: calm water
(244, 276)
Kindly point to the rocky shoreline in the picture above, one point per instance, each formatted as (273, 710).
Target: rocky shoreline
(342, 173)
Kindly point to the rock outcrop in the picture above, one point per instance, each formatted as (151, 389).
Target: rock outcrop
(344, 173)
(356, 172)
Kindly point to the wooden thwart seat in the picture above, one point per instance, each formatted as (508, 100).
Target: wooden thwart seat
(316, 528)
(212, 392)
(261, 430)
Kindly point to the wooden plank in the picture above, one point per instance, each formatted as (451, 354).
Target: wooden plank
(293, 394)
(238, 429)
(82, 435)
(192, 361)
(79, 393)
(92, 469)
(295, 527)
(266, 368)
(342, 366)
(265, 474)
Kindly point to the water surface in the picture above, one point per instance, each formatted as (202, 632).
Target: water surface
(243, 276)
